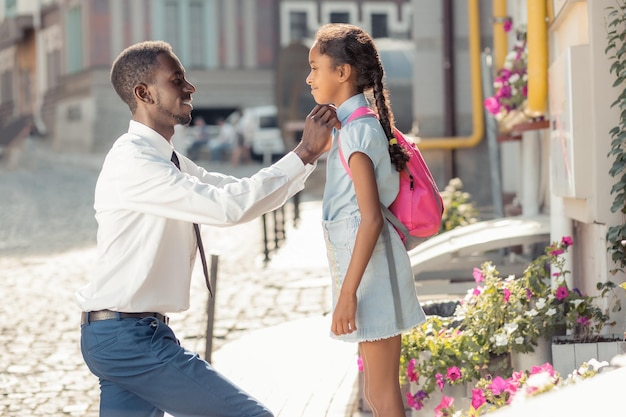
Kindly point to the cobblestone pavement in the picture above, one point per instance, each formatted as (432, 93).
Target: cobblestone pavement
(47, 236)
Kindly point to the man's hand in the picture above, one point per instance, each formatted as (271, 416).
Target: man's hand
(316, 137)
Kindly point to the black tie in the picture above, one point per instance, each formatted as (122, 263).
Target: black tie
(196, 228)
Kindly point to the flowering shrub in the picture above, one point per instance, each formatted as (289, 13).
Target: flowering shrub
(458, 208)
(436, 354)
(493, 393)
(511, 82)
(498, 317)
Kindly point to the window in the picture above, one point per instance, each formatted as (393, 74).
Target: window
(6, 83)
(267, 122)
(171, 26)
(297, 26)
(379, 25)
(339, 17)
(197, 37)
(74, 40)
(10, 8)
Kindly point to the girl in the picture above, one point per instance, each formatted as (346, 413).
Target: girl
(366, 307)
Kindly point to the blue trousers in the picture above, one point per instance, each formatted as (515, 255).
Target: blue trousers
(144, 372)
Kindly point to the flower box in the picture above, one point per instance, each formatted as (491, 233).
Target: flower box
(525, 361)
(569, 354)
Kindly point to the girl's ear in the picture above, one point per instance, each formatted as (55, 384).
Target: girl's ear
(142, 94)
(345, 71)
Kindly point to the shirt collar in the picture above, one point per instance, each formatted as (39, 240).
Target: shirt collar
(350, 105)
(154, 138)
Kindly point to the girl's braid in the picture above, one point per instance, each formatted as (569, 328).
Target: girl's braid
(399, 157)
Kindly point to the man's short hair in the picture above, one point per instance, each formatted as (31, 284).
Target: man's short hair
(134, 65)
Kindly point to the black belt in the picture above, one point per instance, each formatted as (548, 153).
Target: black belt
(89, 316)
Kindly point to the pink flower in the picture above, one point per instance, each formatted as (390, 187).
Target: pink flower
(583, 320)
(359, 363)
(453, 374)
(498, 385)
(507, 25)
(443, 409)
(567, 241)
(492, 105)
(410, 371)
(478, 398)
(561, 293)
(546, 367)
(478, 275)
(439, 381)
(507, 295)
(505, 91)
(556, 252)
(515, 379)
(416, 400)
(476, 291)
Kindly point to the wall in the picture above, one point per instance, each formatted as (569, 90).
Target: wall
(580, 27)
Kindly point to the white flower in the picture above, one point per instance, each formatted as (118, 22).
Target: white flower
(510, 327)
(539, 380)
(577, 302)
(519, 340)
(429, 328)
(513, 78)
(541, 303)
(596, 365)
(531, 313)
(500, 339)
(551, 312)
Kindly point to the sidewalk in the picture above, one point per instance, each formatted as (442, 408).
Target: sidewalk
(295, 368)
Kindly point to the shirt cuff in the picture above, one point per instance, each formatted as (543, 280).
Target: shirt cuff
(293, 166)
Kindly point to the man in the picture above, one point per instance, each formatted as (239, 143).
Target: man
(147, 211)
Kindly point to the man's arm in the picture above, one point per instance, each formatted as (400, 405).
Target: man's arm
(316, 137)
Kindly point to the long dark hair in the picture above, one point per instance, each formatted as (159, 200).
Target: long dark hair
(349, 44)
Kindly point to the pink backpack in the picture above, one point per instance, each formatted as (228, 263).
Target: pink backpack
(417, 210)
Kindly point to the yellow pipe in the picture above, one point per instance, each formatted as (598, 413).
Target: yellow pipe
(537, 41)
(550, 11)
(478, 124)
(500, 38)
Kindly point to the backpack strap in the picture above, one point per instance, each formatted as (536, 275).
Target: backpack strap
(358, 113)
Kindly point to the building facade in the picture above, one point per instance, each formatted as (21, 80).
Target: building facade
(55, 55)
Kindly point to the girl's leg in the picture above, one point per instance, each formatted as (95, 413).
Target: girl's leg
(381, 368)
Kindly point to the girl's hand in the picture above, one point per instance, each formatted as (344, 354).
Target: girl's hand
(344, 315)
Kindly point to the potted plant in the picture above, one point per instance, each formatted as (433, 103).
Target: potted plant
(587, 340)
(511, 86)
(439, 359)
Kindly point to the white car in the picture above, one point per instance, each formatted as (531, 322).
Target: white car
(261, 132)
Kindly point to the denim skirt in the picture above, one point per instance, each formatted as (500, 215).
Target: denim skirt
(387, 303)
